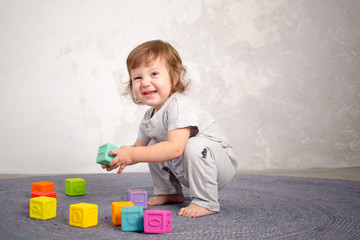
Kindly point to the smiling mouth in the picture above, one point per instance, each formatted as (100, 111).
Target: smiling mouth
(147, 93)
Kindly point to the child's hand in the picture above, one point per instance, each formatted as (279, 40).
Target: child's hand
(122, 159)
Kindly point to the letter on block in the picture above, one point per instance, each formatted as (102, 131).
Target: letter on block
(83, 215)
(43, 186)
(116, 211)
(157, 221)
(138, 197)
(103, 157)
(132, 219)
(75, 186)
(43, 193)
(43, 208)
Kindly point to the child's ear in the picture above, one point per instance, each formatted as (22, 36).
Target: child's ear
(175, 79)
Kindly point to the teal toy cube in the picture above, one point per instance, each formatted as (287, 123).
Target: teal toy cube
(132, 219)
(75, 186)
(103, 157)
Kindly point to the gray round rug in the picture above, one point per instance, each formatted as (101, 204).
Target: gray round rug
(252, 207)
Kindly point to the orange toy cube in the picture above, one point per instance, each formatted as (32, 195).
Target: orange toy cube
(43, 186)
(116, 211)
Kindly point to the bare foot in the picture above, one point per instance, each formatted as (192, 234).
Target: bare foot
(162, 199)
(194, 211)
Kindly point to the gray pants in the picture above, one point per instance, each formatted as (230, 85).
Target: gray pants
(204, 168)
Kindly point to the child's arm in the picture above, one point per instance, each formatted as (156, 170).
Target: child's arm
(160, 152)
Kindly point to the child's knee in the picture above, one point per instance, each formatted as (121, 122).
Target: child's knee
(195, 148)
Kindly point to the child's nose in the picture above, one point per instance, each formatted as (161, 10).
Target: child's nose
(146, 82)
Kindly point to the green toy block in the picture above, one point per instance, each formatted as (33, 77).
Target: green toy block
(103, 157)
(75, 186)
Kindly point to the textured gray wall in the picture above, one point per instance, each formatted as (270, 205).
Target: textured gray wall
(282, 77)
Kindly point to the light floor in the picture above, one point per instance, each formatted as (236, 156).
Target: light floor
(352, 174)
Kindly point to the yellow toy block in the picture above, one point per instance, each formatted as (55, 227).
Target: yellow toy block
(43, 208)
(83, 215)
(116, 211)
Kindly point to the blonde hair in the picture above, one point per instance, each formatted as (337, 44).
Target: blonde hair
(151, 50)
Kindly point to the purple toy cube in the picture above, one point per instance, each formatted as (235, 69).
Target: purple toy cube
(138, 197)
(157, 221)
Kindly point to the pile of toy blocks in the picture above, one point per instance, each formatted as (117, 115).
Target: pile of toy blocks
(132, 217)
(129, 214)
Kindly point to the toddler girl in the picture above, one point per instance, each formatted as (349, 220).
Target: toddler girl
(181, 142)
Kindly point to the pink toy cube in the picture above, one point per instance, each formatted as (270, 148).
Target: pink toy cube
(138, 197)
(157, 221)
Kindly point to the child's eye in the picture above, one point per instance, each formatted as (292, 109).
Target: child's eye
(154, 74)
(136, 78)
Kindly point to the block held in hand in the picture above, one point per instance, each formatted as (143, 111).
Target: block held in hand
(103, 157)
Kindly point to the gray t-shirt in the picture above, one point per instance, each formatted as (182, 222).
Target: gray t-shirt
(180, 111)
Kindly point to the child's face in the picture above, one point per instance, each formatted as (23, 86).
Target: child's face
(152, 83)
